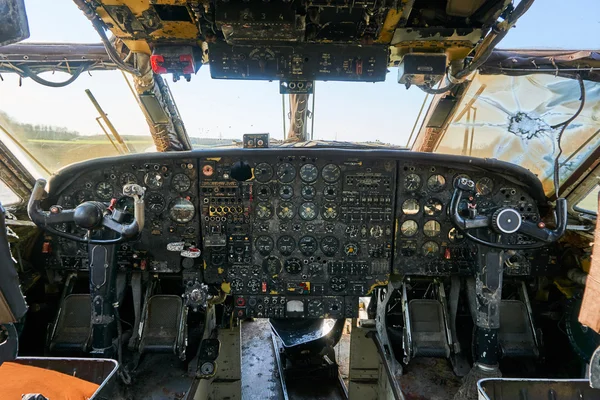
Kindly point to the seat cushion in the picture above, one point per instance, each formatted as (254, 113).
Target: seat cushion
(17, 380)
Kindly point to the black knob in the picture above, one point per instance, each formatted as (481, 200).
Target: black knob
(241, 171)
(88, 215)
(506, 220)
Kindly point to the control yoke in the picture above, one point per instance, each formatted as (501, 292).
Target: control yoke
(89, 215)
(506, 220)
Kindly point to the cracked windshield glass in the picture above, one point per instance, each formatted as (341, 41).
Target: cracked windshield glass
(514, 119)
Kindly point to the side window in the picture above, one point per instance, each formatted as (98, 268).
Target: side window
(7, 196)
(589, 203)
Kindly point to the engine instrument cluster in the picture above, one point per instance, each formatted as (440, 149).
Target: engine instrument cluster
(298, 232)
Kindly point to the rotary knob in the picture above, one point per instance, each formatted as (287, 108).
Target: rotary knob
(506, 220)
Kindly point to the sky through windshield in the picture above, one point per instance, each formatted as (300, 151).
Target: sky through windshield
(350, 111)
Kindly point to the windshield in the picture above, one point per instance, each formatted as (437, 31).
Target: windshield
(53, 127)
(515, 119)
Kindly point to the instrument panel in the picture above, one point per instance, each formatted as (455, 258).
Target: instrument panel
(296, 232)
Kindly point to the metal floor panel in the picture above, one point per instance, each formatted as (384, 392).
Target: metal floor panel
(260, 377)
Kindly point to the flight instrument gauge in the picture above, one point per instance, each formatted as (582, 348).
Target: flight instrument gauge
(308, 211)
(272, 265)
(432, 228)
(285, 210)
(330, 211)
(430, 249)
(309, 173)
(82, 196)
(331, 173)
(154, 180)
(351, 249)
(264, 210)
(181, 210)
(412, 182)
(308, 192)
(484, 186)
(263, 172)
(410, 207)
(104, 190)
(308, 245)
(128, 177)
(264, 245)
(433, 207)
(286, 192)
(293, 266)
(435, 183)
(286, 172)
(330, 245)
(409, 228)
(181, 183)
(286, 245)
(155, 202)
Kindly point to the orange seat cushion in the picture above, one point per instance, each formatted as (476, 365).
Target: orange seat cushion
(17, 379)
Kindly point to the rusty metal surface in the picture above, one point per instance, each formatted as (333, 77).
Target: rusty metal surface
(536, 389)
(429, 379)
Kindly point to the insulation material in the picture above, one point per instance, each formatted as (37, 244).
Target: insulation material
(590, 307)
(514, 119)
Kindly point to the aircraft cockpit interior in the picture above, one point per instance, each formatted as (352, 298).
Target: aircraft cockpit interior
(295, 264)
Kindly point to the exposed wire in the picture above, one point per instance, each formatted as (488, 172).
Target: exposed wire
(27, 73)
(564, 126)
(498, 33)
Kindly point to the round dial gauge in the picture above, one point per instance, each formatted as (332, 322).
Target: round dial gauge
(430, 249)
(432, 228)
(309, 173)
(433, 207)
(253, 285)
(331, 173)
(128, 177)
(459, 176)
(263, 172)
(154, 180)
(338, 283)
(408, 248)
(410, 207)
(263, 192)
(264, 210)
(272, 265)
(264, 245)
(409, 228)
(308, 192)
(412, 182)
(286, 245)
(330, 245)
(286, 172)
(308, 245)
(351, 249)
(454, 235)
(484, 186)
(104, 190)
(181, 183)
(237, 285)
(286, 192)
(181, 210)
(308, 211)
(316, 308)
(330, 192)
(155, 202)
(285, 210)
(293, 266)
(125, 205)
(435, 183)
(330, 211)
(83, 195)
